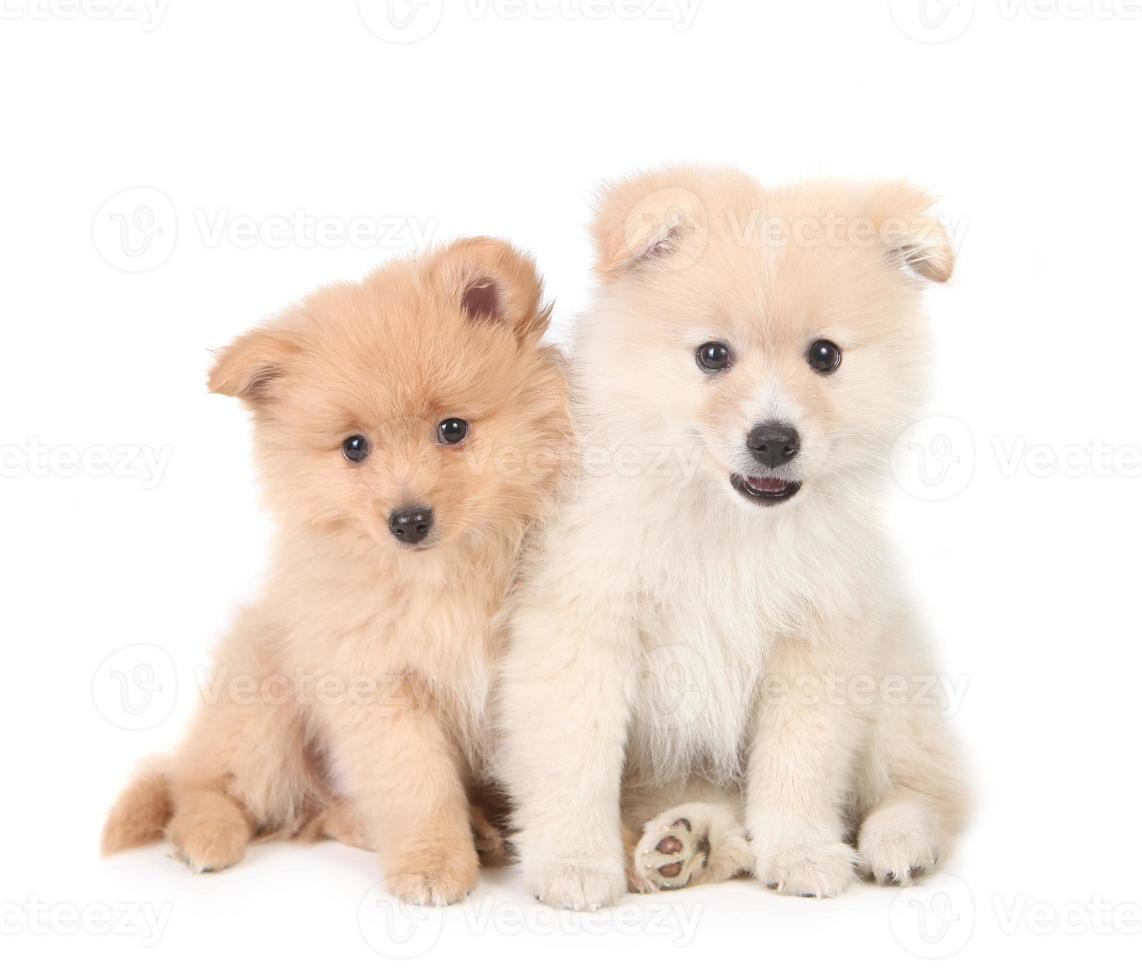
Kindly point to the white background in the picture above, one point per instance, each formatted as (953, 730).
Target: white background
(160, 169)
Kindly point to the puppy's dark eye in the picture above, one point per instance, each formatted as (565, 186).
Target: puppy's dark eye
(355, 449)
(824, 356)
(713, 357)
(453, 431)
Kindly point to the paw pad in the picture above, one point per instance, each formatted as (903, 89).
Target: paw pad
(688, 853)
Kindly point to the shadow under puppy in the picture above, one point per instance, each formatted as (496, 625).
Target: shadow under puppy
(408, 431)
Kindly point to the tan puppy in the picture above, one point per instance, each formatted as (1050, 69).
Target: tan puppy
(712, 646)
(408, 431)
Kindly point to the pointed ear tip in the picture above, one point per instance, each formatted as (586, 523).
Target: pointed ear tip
(613, 237)
(942, 260)
(943, 268)
(247, 366)
(612, 261)
(217, 382)
(221, 381)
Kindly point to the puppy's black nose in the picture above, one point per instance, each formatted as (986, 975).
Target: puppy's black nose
(774, 445)
(411, 524)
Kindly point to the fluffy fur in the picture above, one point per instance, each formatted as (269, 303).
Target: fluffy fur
(669, 702)
(363, 671)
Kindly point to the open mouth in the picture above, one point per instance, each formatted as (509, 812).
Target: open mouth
(763, 489)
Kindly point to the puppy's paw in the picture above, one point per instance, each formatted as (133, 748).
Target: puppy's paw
(689, 844)
(897, 844)
(671, 853)
(808, 870)
(208, 842)
(434, 879)
(339, 822)
(583, 886)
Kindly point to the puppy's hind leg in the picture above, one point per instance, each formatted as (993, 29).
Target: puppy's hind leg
(910, 791)
(912, 807)
(338, 821)
(209, 830)
(900, 839)
(243, 771)
(699, 842)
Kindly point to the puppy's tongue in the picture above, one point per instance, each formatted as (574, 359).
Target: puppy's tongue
(766, 484)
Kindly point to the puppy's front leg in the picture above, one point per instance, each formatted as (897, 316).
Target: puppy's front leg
(800, 776)
(564, 712)
(405, 778)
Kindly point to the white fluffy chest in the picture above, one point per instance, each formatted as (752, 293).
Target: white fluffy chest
(704, 646)
(712, 608)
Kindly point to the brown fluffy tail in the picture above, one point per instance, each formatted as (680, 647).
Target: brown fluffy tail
(140, 815)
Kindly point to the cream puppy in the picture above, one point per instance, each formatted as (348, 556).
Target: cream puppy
(712, 669)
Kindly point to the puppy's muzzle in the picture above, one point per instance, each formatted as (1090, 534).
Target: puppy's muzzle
(773, 445)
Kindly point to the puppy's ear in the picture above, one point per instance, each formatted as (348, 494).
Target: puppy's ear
(254, 364)
(914, 238)
(492, 282)
(650, 221)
